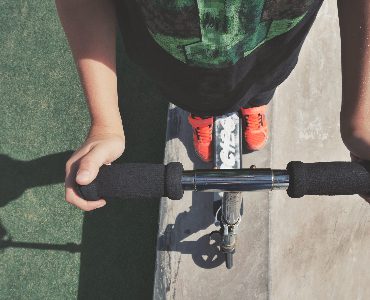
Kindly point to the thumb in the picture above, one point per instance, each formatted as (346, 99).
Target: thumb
(90, 164)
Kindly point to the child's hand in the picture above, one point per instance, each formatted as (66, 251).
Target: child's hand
(359, 147)
(101, 147)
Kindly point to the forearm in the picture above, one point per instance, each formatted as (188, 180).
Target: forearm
(90, 27)
(355, 39)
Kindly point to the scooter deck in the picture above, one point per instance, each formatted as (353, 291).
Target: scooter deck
(227, 142)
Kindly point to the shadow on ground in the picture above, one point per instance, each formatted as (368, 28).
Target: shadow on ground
(119, 240)
(205, 251)
(6, 241)
(23, 175)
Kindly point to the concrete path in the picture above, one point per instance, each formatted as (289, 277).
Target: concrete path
(310, 248)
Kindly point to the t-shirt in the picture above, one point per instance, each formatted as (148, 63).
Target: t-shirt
(213, 56)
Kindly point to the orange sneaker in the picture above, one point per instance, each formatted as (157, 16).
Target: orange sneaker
(255, 127)
(202, 136)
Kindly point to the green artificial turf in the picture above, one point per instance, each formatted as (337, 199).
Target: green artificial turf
(49, 249)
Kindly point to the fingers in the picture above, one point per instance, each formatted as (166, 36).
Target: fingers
(74, 198)
(71, 194)
(355, 158)
(85, 159)
(89, 165)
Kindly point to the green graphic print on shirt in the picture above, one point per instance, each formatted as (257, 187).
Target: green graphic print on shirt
(217, 33)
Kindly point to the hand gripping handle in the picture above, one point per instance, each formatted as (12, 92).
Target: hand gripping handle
(135, 180)
(328, 178)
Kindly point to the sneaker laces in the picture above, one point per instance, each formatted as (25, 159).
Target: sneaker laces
(254, 121)
(204, 133)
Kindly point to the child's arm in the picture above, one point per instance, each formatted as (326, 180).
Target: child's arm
(90, 26)
(354, 20)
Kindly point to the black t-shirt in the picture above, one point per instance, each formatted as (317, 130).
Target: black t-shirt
(212, 57)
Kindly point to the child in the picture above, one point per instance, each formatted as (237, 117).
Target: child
(211, 57)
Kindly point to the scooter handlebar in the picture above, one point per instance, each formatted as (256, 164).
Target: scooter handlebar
(137, 180)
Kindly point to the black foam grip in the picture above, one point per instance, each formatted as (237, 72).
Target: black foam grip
(328, 178)
(173, 186)
(135, 180)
